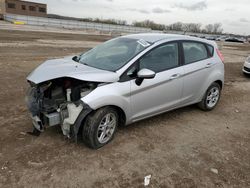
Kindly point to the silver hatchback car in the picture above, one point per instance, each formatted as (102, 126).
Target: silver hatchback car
(122, 81)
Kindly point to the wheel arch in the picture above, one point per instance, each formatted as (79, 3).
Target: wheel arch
(122, 116)
(215, 77)
(120, 111)
(219, 82)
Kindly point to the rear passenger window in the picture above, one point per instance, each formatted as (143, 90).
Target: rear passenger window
(194, 51)
(161, 58)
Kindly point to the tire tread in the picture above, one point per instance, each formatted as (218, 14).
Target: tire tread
(91, 124)
(202, 104)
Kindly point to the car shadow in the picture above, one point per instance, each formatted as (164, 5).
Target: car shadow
(161, 118)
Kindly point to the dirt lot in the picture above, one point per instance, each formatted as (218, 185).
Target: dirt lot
(178, 148)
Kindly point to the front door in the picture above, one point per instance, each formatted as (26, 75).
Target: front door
(164, 91)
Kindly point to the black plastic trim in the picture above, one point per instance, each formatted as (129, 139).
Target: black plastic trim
(83, 114)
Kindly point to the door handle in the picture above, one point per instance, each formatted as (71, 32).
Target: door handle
(174, 76)
(208, 65)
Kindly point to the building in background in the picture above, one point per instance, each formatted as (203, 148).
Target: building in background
(22, 8)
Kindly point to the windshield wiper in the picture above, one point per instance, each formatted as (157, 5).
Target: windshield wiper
(84, 63)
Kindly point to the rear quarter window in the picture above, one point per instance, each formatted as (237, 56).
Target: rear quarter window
(210, 50)
(194, 51)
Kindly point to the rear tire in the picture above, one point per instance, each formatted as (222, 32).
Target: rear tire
(211, 97)
(99, 127)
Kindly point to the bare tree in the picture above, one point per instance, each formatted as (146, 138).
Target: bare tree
(150, 24)
(178, 26)
(209, 28)
(217, 28)
(193, 27)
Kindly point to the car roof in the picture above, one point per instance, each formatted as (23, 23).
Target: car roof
(155, 37)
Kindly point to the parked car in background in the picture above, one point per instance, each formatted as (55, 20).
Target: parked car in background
(235, 39)
(246, 67)
(211, 37)
(221, 38)
(123, 81)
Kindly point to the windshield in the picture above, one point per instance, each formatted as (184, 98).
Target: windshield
(113, 54)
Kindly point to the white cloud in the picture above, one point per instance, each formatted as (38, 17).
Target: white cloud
(143, 11)
(201, 5)
(158, 10)
(244, 20)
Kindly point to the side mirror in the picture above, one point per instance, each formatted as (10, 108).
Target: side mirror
(76, 58)
(144, 74)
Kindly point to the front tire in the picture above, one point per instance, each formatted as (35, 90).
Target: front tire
(99, 127)
(211, 97)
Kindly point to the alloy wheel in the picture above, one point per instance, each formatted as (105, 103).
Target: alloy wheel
(106, 128)
(213, 97)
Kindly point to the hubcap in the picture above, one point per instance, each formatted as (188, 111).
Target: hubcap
(106, 128)
(213, 97)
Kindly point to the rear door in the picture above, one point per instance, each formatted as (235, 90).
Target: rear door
(197, 66)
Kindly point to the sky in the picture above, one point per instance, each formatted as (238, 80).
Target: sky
(233, 14)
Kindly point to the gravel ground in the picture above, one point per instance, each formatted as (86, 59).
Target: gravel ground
(183, 148)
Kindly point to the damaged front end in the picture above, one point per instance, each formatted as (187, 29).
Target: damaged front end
(58, 102)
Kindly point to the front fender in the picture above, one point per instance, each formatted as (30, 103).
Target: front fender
(113, 94)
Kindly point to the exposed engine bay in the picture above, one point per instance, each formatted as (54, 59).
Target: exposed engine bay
(57, 102)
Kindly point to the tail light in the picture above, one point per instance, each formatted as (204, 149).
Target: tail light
(220, 55)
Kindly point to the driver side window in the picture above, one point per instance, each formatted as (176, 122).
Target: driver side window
(161, 58)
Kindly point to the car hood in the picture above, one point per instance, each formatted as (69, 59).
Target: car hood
(66, 67)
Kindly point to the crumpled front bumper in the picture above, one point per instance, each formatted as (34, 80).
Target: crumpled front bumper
(70, 125)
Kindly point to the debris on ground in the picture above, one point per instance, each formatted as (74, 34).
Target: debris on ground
(147, 180)
(35, 164)
(214, 170)
(23, 133)
(4, 167)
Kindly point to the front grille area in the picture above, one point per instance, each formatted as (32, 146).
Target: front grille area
(247, 69)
